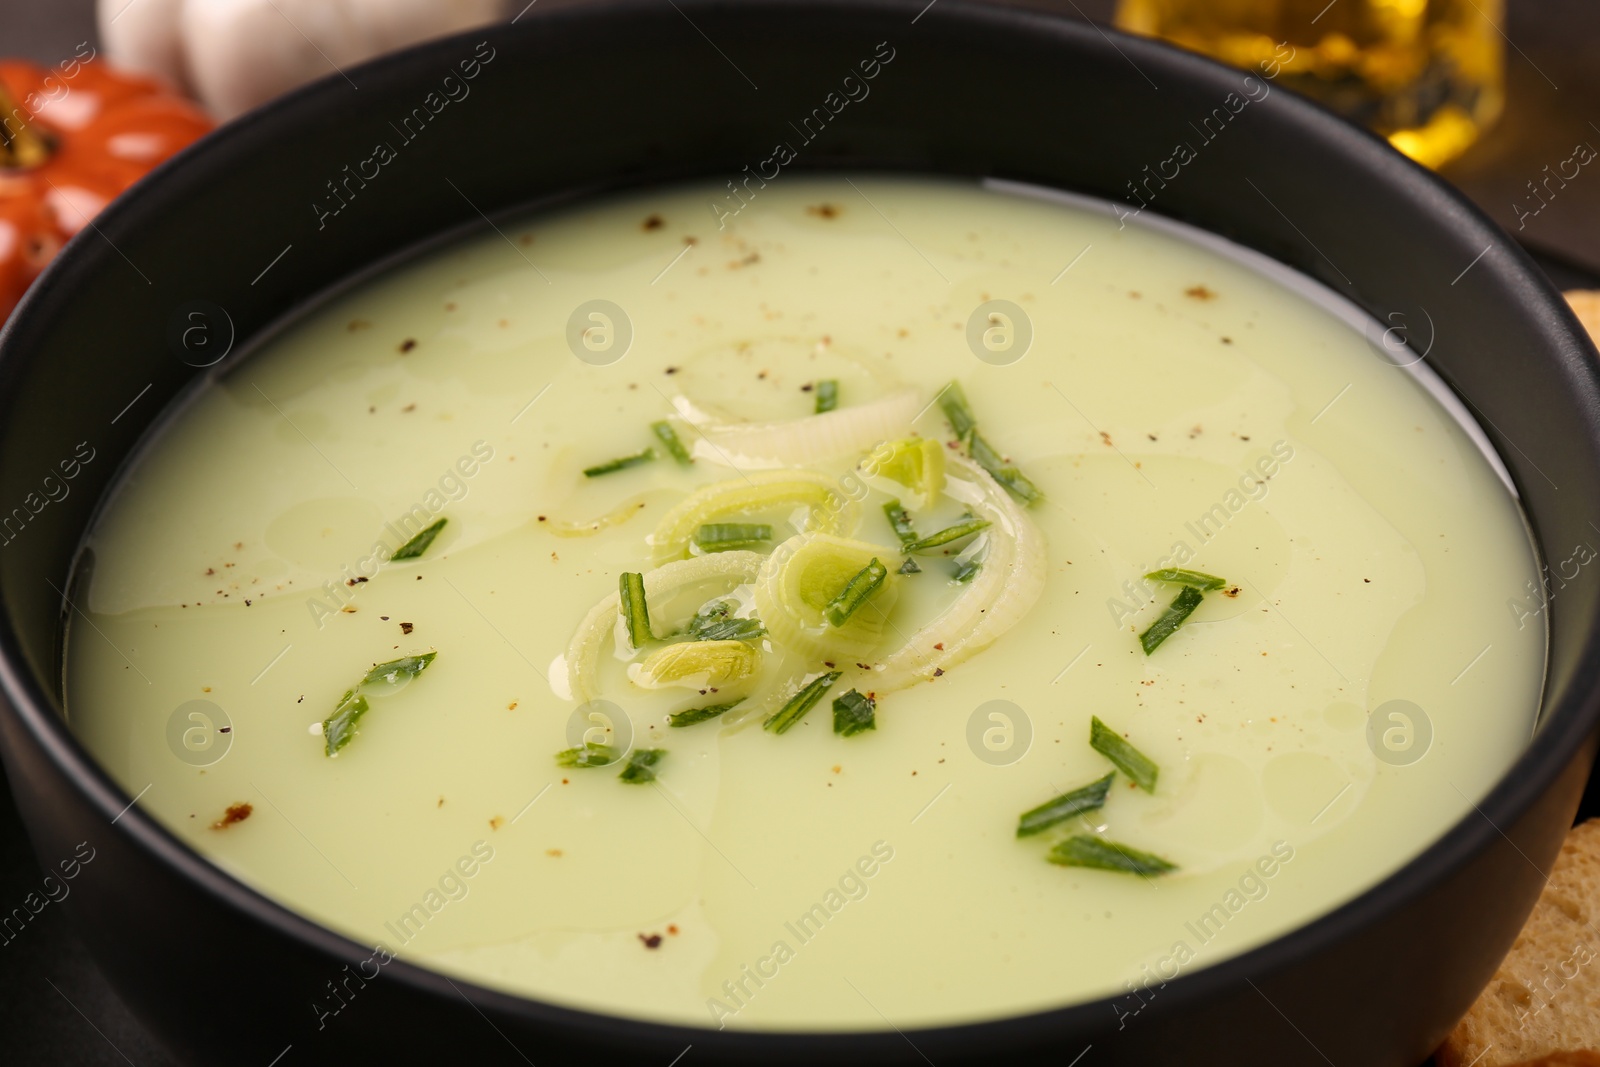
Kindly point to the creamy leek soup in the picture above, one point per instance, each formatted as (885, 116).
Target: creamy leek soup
(883, 600)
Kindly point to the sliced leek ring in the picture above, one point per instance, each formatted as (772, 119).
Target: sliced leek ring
(801, 442)
(914, 462)
(583, 651)
(697, 665)
(827, 509)
(1008, 585)
(802, 577)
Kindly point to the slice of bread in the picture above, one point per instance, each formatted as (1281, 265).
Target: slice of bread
(1542, 1007)
(1586, 304)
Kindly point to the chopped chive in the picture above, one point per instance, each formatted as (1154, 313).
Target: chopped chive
(669, 440)
(340, 727)
(910, 567)
(796, 707)
(1017, 484)
(948, 534)
(900, 521)
(1180, 609)
(398, 670)
(419, 544)
(1129, 760)
(635, 612)
(694, 715)
(965, 424)
(984, 455)
(970, 562)
(1091, 797)
(1010, 478)
(953, 399)
(827, 395)
(729, 629)
(716, 622)
(641, 765)
(855, 593)
(621, 464)
(1178, 576)
(853, 713)
(722, 536)
(711, 612)
(1097, 852)
(588, 754)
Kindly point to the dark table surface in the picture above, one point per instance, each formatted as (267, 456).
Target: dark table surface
(56, 1008)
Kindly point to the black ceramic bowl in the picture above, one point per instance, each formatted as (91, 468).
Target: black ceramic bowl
(630, 93)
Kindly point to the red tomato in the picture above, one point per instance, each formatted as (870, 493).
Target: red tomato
(74, 138)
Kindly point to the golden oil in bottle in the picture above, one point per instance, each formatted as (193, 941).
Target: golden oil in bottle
(1426, 74)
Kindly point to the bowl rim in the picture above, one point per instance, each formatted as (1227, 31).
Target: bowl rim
(1562, 729)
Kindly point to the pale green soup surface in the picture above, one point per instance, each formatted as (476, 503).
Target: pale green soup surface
(1175, 405)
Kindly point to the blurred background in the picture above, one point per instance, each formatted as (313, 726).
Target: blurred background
(1502, 97)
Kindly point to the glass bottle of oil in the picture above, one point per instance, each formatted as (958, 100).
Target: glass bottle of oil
(1426, 74)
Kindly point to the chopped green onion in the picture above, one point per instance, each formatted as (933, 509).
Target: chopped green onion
(1180, 609)
(1017, 484)
(635, 612)
(803, 701)
(641, 765)
(827, 395)
(1010, 478)
(900, 521)
(731, 629)
(1129, 760)
(694, 715)
(419, 544)
(910, 567)
(949, 534)
(716, 622)
(970, 562)
(340, 727)
(588, 754)
(398, 670)
(1097, 852)
(712, 611)
(965, 424)
(984, 455)
(1091, 797)
(669, 440)
(953, 399)
(1179, 576)
(621, 464)
(855, 593)
(853, 713)
(721, 536)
